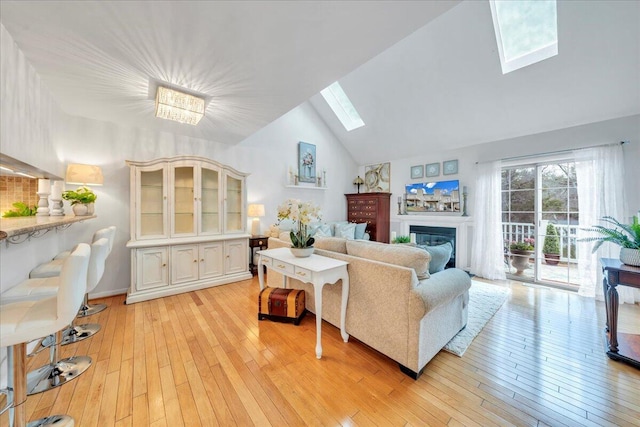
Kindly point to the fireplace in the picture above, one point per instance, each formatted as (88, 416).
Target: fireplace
(432, 236)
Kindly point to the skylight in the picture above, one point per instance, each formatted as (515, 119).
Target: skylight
(526, 31)
(342, 106)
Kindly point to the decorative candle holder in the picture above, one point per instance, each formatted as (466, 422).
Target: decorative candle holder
(56, 199)
(464, 204)
(56, 207)
(43, 204)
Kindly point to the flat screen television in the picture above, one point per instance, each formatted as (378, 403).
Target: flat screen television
(438, 196)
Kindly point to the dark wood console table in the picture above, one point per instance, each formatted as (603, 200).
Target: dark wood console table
(623, 347)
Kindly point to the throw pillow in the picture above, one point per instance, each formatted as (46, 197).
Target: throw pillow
(323, 231)
(440, 256)
(346, 231)
(360, 230)
(334, 226)
(286, 224)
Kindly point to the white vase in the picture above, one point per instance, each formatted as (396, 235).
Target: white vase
(80, 209)
(302, 252)
(630, 256)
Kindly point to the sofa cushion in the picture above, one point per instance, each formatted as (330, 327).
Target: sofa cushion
(346, 231)
(442, 287)
(361, 228)
(405, 256)
(440, 255)
(333, 244)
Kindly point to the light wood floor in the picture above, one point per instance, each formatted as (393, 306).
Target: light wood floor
(203, 358)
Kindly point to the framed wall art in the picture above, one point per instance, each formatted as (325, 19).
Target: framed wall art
(377, 178)
(306, 162)
(450, 167)
(417, 172)
(432, 169)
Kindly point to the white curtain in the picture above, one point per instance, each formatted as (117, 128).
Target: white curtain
(487, 251)
(600, 174)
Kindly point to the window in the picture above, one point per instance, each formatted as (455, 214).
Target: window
(342, 107)
(526, 31)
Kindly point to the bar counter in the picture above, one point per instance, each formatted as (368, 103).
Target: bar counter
(19, 229)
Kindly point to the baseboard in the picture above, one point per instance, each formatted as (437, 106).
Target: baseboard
(106, 294)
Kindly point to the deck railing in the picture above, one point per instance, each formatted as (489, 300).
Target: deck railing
(568, 234)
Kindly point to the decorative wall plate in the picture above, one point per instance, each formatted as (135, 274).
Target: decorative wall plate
(432, 169)
(450, 167)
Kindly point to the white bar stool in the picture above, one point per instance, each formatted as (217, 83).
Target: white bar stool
(59, 371)
(52, 269)
(21, 322)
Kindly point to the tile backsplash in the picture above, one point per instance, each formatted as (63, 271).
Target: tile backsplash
(17, 189)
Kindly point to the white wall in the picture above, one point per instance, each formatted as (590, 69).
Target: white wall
(606, 132)
(62, 139)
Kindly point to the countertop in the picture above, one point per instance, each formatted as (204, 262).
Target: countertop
(11, 227)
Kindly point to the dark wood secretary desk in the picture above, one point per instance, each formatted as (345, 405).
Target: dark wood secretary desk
(622, 347)
(372, 208)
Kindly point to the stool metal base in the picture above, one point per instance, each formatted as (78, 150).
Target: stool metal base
(54, 420)
(69, 336)
(90, 310)
(52, 376)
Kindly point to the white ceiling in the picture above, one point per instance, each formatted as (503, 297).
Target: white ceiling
(255, 59)
(422, 79)
(442, 87)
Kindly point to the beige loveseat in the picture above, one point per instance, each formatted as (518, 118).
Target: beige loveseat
(390, 309)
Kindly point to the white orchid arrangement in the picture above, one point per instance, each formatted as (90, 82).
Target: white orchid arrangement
(301, 213)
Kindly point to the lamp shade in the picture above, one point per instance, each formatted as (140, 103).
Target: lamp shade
(358, 181)
(255, 210)
(84, 174)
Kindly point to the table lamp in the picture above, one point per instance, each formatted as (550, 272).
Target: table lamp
(256, 211)
(358, 181)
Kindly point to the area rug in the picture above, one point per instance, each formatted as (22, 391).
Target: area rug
(484, 300)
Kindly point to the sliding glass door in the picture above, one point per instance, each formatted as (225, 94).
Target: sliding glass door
(539, 223)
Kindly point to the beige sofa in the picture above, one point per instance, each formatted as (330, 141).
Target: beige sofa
(394, 305)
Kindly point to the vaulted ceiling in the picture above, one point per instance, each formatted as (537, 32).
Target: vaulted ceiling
(423, 75)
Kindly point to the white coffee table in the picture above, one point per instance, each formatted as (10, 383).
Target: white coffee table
(317, 270)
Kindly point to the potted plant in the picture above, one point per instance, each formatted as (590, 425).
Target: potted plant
(301, 213)
(551, 247)
(402, 239)
(627, 236)
(521, 252)
(81, 200)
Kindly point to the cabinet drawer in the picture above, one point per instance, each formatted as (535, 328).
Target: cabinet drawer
(267, 261)
(302, 274)
(282, 267)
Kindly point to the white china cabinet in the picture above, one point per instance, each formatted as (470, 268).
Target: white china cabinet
(188, 226)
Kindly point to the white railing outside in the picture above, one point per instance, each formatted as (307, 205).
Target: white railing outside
(568, 234)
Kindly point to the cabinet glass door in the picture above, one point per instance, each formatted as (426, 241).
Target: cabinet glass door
(234, 204)
(209, 201)
(152, 204)
(183, 200)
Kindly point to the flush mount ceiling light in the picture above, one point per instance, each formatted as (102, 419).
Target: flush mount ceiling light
(178, 106)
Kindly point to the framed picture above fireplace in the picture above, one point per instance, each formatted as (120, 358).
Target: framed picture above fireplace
(437, 196)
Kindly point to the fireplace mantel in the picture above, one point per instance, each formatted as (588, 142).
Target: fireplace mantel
(463, 225)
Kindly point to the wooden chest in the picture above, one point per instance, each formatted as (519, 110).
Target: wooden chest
(281, 305)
